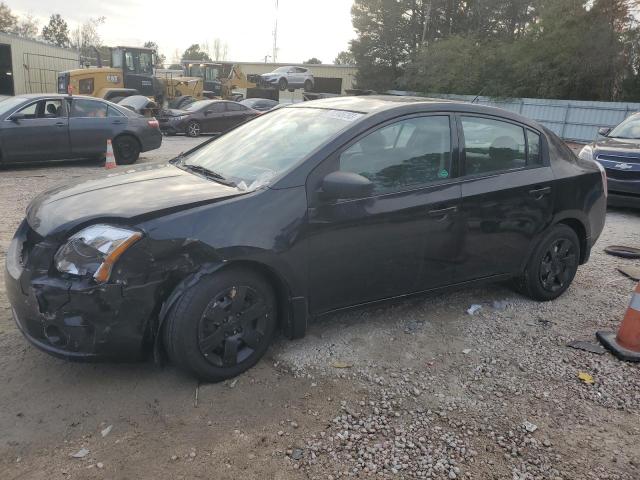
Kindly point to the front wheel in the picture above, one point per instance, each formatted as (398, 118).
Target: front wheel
(282, 84)
(126, 150)
(193, 129)
(553, 265)
(221, 326)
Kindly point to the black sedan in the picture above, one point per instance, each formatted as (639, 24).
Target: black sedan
(205, 116)
(618, 151)
(311, 209)
(61, 127)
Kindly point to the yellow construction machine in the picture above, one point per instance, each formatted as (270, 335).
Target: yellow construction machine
(131, 73)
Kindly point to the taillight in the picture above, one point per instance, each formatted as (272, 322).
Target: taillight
(153, 123)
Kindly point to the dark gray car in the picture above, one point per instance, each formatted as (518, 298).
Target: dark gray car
(205, 116)
(59, 127)
(618, 151)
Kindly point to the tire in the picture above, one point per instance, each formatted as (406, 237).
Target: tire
(126, 149)
(282, 84)
(308, 85)
(552, 266)
(193, 129)
(202, 335)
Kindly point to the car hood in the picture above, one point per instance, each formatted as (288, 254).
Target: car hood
(271, 74)
(619, 145)
(144, 191)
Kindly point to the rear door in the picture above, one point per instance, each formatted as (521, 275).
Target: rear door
(213, 118)
(91, 124)
(236, 114)
(38, 131)
(399, 239)
(507, 194)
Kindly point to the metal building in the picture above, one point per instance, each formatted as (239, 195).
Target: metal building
(29, 66)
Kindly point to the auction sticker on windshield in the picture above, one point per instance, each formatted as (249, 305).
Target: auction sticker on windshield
(344, 115)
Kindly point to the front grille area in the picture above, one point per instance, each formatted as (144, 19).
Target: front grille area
(610, 157)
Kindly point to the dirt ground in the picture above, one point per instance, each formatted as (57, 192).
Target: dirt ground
(417, 389)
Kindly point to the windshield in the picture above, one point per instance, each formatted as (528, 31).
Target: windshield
(630, 128)
(195, 106)
(9, 103)
(259, 151)
(281, 69)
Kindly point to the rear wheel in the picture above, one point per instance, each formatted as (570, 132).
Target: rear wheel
(194, 129)
(282, 84)
(126, 149)
(221, 326)
(553, 265)
(308, 85)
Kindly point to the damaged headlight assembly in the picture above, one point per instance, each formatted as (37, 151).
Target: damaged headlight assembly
(94, 251)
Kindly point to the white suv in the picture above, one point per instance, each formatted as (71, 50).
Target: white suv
(289, 78)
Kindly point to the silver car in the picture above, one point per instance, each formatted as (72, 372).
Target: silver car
(289, 78)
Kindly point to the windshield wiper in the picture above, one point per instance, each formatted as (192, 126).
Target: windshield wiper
(208, 173)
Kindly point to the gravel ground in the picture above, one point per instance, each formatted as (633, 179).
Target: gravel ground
(417, 389)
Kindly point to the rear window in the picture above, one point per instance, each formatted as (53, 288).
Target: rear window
(492, 145)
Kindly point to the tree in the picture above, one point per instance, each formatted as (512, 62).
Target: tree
(8, 21)
(345, 58)
(312, 61)
(56, 31)
(160, 58)
(195, 53)
(219, 50)
(27, 27)
(86, 38)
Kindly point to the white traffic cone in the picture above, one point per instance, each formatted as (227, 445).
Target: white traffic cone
(110, 158)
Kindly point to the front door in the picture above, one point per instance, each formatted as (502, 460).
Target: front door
(507, 197)
(398, 239)
(38, 131)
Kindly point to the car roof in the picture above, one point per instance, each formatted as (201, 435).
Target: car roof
(35, 96)
(370, 104)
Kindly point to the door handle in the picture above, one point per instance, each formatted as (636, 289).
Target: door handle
(442, 213)
(60, 124)
(540, 192)
(116, 122)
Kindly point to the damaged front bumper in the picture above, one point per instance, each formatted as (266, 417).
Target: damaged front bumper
(74, 318)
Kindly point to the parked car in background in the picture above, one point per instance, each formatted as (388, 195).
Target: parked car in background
(306, 210)
(618, 151)
(289, 78)
(205, 116)
(60, 127)
(260, 104)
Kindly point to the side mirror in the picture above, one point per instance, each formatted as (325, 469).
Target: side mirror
(16, 117)
(208, 112)
(604, 131)
(345, 185)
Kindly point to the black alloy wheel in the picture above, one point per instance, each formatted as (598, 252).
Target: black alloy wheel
(558, 265)
(222, 325)
(552, 266)
(233, 326)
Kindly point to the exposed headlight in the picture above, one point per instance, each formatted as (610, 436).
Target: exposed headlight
(586, 153)
(94, 251)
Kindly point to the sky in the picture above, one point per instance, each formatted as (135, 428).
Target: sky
(306, 28)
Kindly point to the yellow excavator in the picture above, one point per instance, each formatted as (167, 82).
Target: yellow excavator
(220, 79)
(131, 73)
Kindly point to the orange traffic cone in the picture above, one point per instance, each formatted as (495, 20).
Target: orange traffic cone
(110, 160)
(626, 345)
